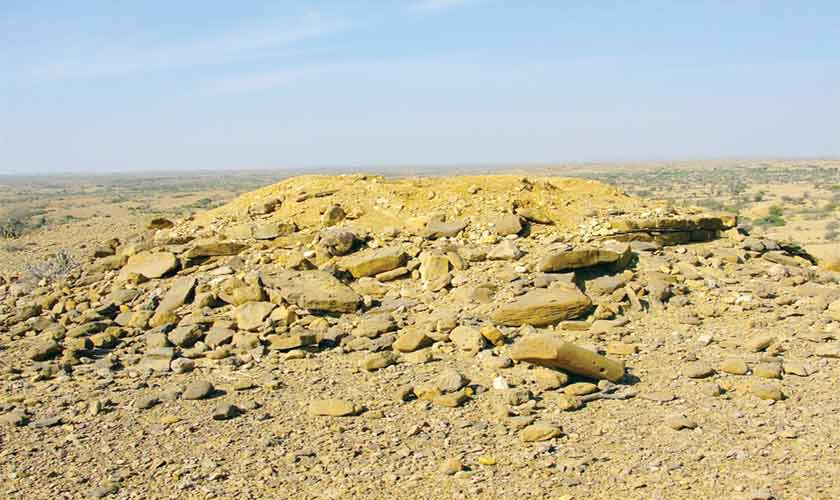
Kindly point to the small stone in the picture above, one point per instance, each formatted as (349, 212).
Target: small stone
(548, 379)
(734, 366)
(15, 418)
(621, 349)
(468, 339)
(199, 389)
(680, 422)
(378, 360)
(797, 368)
(580, 389)
(332, 408)
(450, 380)
(452, 400)
(146, 402)
(760, 343)
(710, 389)
(412, 340)
(182, 365)
(486, 460)
(225, 411)
(767, 391)
(539, 432)
(493, 335)
(450, 466)
(697, 369)
(768, 370)
(44, 350)
(658, 396)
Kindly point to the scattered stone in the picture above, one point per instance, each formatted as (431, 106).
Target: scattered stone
(679, 422)
(225, 411)
(332, 408)
(539, 432)
(765, 390)
(553, 352)
(697, 369)
(199, 389)
(734, 366)
(542, 307)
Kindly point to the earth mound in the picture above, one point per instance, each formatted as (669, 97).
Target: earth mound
(356, 336)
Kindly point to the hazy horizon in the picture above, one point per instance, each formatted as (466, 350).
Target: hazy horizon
(102, 87)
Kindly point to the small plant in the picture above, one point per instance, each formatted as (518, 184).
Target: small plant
(57, 266)
(770, 220)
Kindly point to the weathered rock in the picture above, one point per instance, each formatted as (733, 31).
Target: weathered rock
(199, 389)
(217, 336)
(225, 411)
(551, 351)
(150, 264)
(567, 260)
(333, 215)
(214, 249)
(178, 294)
(158, 359)
(373, 262)
(506, 250)
(542, 307)
(332, 408)
(438, 229)
(185, 336)
(507, 224)
(289, 342)
(734, 366)
(251, 315)
(539, 432)
(412, 340)
(760, 342)
(434, 270)
(272, 230)
(337, 241)
(765, 390)
(697, 369)
(378, 360)
(316, 290)
(679, 422)
(43, 350)
(468, 339)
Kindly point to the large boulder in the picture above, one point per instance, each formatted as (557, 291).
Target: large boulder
(542, 307)
(316, 290)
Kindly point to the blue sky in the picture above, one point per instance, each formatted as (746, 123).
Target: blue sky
(100, 86)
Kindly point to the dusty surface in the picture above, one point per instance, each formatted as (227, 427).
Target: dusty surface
(86, 432)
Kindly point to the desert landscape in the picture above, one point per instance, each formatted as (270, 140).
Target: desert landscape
(647, 330)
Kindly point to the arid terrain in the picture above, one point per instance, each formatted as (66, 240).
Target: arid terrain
(584, 331)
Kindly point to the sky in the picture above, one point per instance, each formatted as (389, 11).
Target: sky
(105, 86)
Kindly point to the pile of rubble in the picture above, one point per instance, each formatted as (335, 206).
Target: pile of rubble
(543, 276)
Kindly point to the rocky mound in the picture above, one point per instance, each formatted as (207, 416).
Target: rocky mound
(517, 298)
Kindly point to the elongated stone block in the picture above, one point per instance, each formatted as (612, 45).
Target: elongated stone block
(553, 352)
